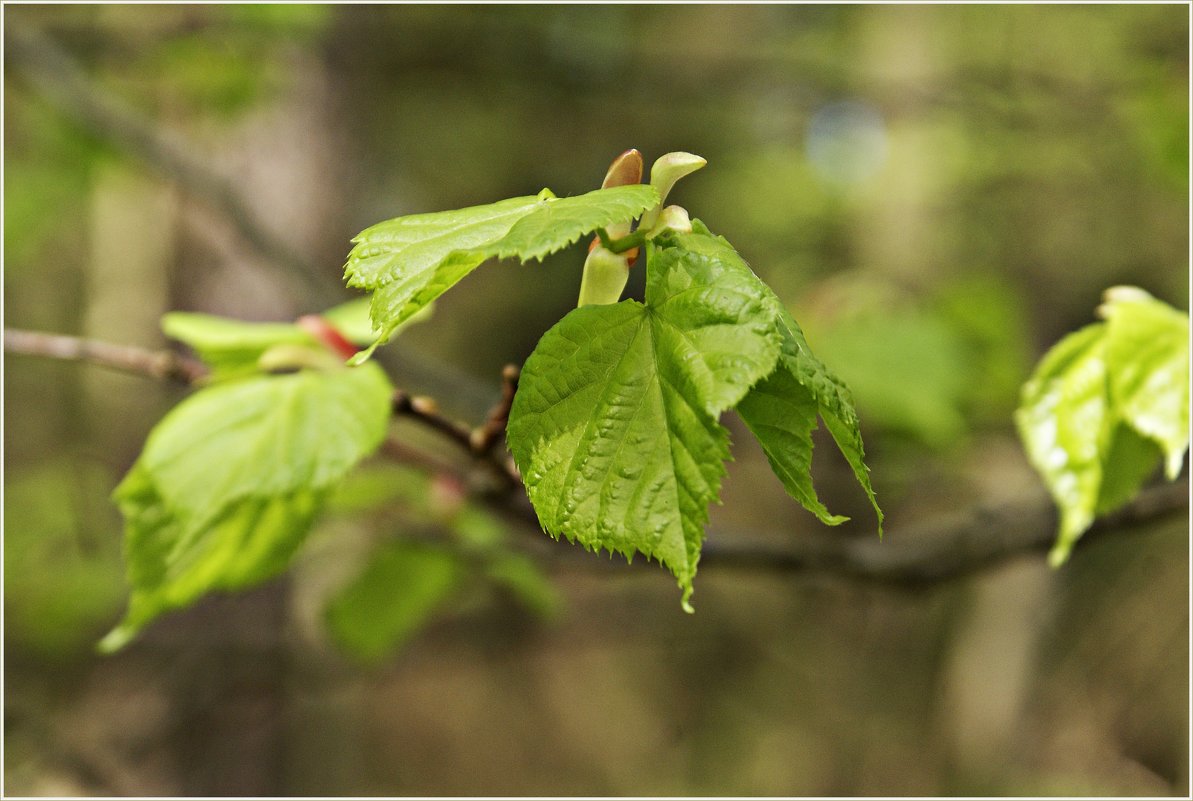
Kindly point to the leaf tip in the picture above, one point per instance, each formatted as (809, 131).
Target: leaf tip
(1059, 554)
(116, 639)
(360, 357)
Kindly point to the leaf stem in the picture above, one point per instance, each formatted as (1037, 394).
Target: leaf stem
(621, 245)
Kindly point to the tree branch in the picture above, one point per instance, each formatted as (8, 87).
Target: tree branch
(170, 366)
(912, 556)
(948, 548)
(60, 79)
(160, 364)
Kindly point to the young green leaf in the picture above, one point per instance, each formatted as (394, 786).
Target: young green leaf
(1147, 351)
(229, 481)
(614, 425)
(174, 559)
(236, 349)
(781, 410)
(781, 413)
(808, 378)
(1064, 422)
(1101, 406)
(231, 348)
(409, 261)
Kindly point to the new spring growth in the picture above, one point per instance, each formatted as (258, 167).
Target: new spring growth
(606, 269)
(663, 174)
(605, 273)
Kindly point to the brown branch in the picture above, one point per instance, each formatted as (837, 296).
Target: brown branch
(60, 79)
(920, 554)
(485, 437)
(161, 364)
(426, 411)
(947, 548)
(167, 365)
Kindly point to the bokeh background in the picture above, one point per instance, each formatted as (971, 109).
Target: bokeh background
(939, 194)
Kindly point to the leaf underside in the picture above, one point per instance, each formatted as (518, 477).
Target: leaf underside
(781, 411)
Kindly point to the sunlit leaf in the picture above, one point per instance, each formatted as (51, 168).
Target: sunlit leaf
(1103, 404)
(409, 261)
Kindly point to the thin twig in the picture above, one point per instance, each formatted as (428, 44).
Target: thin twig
(426, 411)
(60, 79)
(167, 365)
(921, 554)
(161, 364)
(485, 437)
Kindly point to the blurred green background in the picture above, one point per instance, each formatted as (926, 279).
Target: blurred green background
(939, 194)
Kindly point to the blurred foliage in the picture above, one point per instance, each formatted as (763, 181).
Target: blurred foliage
(62, 568)
(1017, 161)
(403, 585)
(1105, 406)
(926, 365)
(455, 547)
(46, 177)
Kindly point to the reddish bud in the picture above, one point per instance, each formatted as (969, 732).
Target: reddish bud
(625, 170)
(327, 335)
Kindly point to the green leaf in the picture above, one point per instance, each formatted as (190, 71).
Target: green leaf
(173, 560)
(781, 414)
(1147, 351)
(409, 261)
(1130, 460)
(614, 425)
(1064, 423)
(230, 480)
(402, 588)
(833, 401)
(1101, 405)
(231, 348)
(781, 411)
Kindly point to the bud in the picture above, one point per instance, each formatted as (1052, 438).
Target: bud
(664, 173)
(604, 278)
(626, 170)
(673, 218)
(1121, 294)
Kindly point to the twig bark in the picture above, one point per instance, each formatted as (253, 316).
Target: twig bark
(170, 366)
(161, 364)
(931, 552)
(60, 79)
(925, 553)
(485, 437)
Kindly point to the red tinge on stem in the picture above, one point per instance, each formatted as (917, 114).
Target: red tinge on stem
(327, 335)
